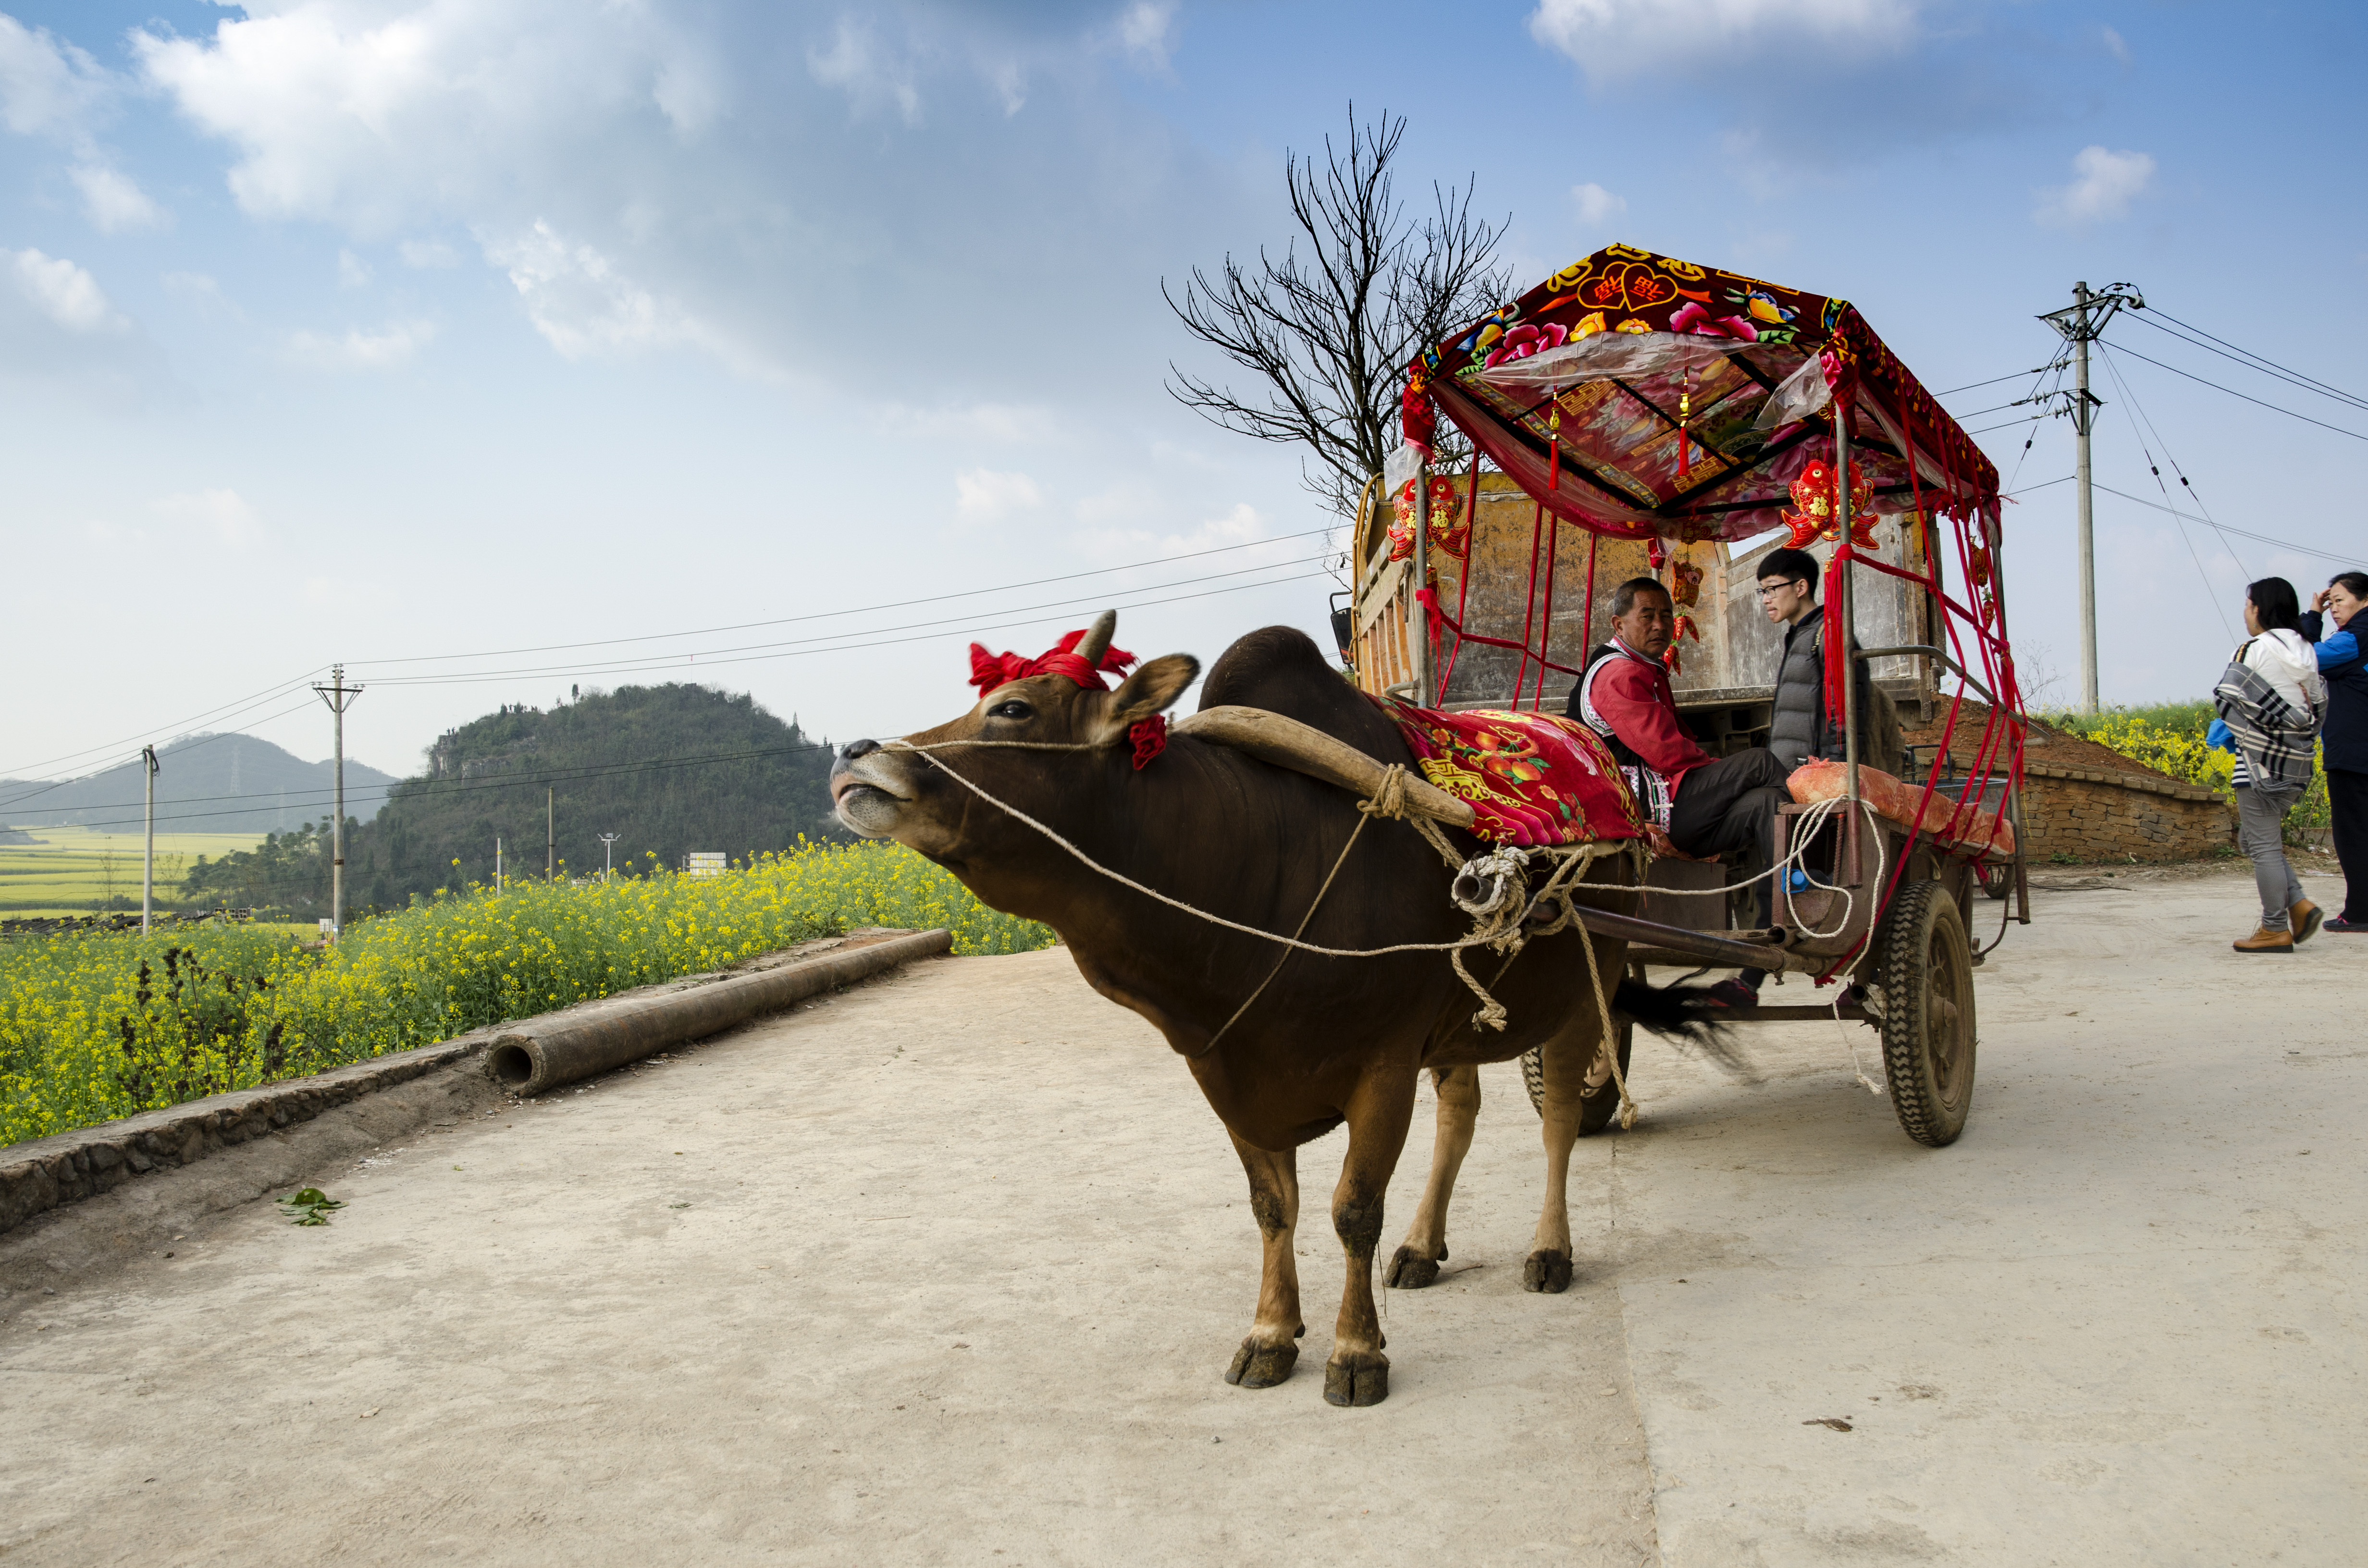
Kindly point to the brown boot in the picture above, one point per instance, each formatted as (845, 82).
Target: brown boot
(2306, 917)
(2266, 941)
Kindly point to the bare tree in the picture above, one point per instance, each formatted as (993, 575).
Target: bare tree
(1331, 333)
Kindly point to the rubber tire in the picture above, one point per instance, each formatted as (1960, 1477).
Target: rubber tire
(1929, 1026)
(1996, 880)
(1598, 1110)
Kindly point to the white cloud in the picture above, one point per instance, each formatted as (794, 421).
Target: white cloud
(1146, 32)
(2114, 45)
(352, 270)
(983, 496)
(389, 348)
(858, 64)
(46, 89)
(582, 304)
(114, 202)
(2104, 184)
(1611, 39)
(62, 291)
(1597, 205)
(222, 514)
(427, 253)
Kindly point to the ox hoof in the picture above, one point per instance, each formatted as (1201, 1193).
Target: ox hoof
(1546, 1271)
(1261, 1366)
(1409, 1271)
(1360, 1378)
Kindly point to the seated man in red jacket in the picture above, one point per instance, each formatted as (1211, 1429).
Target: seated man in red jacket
(1708, 805)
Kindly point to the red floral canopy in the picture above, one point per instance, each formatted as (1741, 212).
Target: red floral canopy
(1636, 394)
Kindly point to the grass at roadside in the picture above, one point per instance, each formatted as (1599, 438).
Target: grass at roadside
(98, 1026)
(2169, 737)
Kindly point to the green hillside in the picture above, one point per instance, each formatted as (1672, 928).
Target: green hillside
(670, 769)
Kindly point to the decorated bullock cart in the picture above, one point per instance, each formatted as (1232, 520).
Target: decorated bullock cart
(1635, 414)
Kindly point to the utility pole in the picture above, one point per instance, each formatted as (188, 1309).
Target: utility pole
(339, 697)
(148, 863)
(608, 855)
(497, 862)
(2082, 323)
(549, 835)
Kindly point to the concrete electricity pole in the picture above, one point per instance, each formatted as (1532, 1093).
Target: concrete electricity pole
(549, 835)
(608, 855)
(339, 697)
(148, 864)
(2082, 322)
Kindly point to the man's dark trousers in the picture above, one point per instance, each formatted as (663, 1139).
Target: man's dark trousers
(1729, 806)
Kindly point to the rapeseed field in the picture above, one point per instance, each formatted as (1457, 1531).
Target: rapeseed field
(98, 1026)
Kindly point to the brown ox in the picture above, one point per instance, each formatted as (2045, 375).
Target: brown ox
(1333, 1039)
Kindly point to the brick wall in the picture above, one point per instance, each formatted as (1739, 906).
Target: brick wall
(2092, 815)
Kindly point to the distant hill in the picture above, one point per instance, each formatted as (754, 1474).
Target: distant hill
(668, 770)
(207, 783)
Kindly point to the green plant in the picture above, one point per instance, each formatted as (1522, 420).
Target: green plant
(309, 1207)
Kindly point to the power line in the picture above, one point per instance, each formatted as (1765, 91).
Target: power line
(2250, 360)
(424, 787)
(176, 752)
(2248, 397)
(2134, 412)
(1994, 380)
(924, 631)
(225, 710)
(2225, 528)
(866, 609)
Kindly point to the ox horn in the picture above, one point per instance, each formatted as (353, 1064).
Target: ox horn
(1097, 639)
(1287, 742)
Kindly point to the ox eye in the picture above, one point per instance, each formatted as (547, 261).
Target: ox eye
(1012, 709)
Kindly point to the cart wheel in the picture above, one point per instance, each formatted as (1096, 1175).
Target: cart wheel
(1927, 1014)
(1996, 879)
(1599, 1104)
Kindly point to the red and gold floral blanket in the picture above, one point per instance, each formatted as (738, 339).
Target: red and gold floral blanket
(1532, 779)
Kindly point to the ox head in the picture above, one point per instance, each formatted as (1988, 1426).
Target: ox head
(1058, 700)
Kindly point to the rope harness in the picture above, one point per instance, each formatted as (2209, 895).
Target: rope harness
(1501, 905)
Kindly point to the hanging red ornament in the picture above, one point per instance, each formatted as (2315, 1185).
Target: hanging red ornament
(1815, 516)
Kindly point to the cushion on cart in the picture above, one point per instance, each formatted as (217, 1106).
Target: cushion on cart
(1894, 800)
(1532, 778)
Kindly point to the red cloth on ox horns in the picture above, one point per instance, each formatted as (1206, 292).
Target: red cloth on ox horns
(988, 671)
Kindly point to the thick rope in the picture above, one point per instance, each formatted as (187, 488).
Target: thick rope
(1502, 929)
(1124, 881)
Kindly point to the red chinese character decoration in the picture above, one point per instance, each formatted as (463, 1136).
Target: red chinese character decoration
(1813, 517)
(1450, 530)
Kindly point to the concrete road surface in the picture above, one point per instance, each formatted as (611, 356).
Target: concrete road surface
(946, 1269)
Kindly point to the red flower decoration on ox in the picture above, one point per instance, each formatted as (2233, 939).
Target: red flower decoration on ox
(988, 671)
(1813, 517)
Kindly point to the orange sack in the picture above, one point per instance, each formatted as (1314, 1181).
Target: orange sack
(1817, 779)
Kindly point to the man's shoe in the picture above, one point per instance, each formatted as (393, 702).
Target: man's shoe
(2307, 918)
(2266, 941)
(1733, 992)
(2345, 927)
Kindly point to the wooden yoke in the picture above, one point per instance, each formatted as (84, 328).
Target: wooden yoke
(1287, 742)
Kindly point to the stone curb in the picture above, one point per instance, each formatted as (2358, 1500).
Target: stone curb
(66, 1167)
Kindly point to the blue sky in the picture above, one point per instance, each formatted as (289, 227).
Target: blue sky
(396, 330)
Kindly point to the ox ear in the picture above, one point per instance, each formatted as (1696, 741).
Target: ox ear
(1150, 689)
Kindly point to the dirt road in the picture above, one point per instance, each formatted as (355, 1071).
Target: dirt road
(947, 1269)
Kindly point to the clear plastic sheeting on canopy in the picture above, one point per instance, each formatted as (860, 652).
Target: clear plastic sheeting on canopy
(1640, 395)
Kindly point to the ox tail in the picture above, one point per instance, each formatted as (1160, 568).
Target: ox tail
(1684, 1014)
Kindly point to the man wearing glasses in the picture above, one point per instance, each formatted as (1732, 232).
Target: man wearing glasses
(1788, 594)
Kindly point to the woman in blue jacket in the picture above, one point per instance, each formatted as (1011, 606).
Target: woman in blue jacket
(2345, 739)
